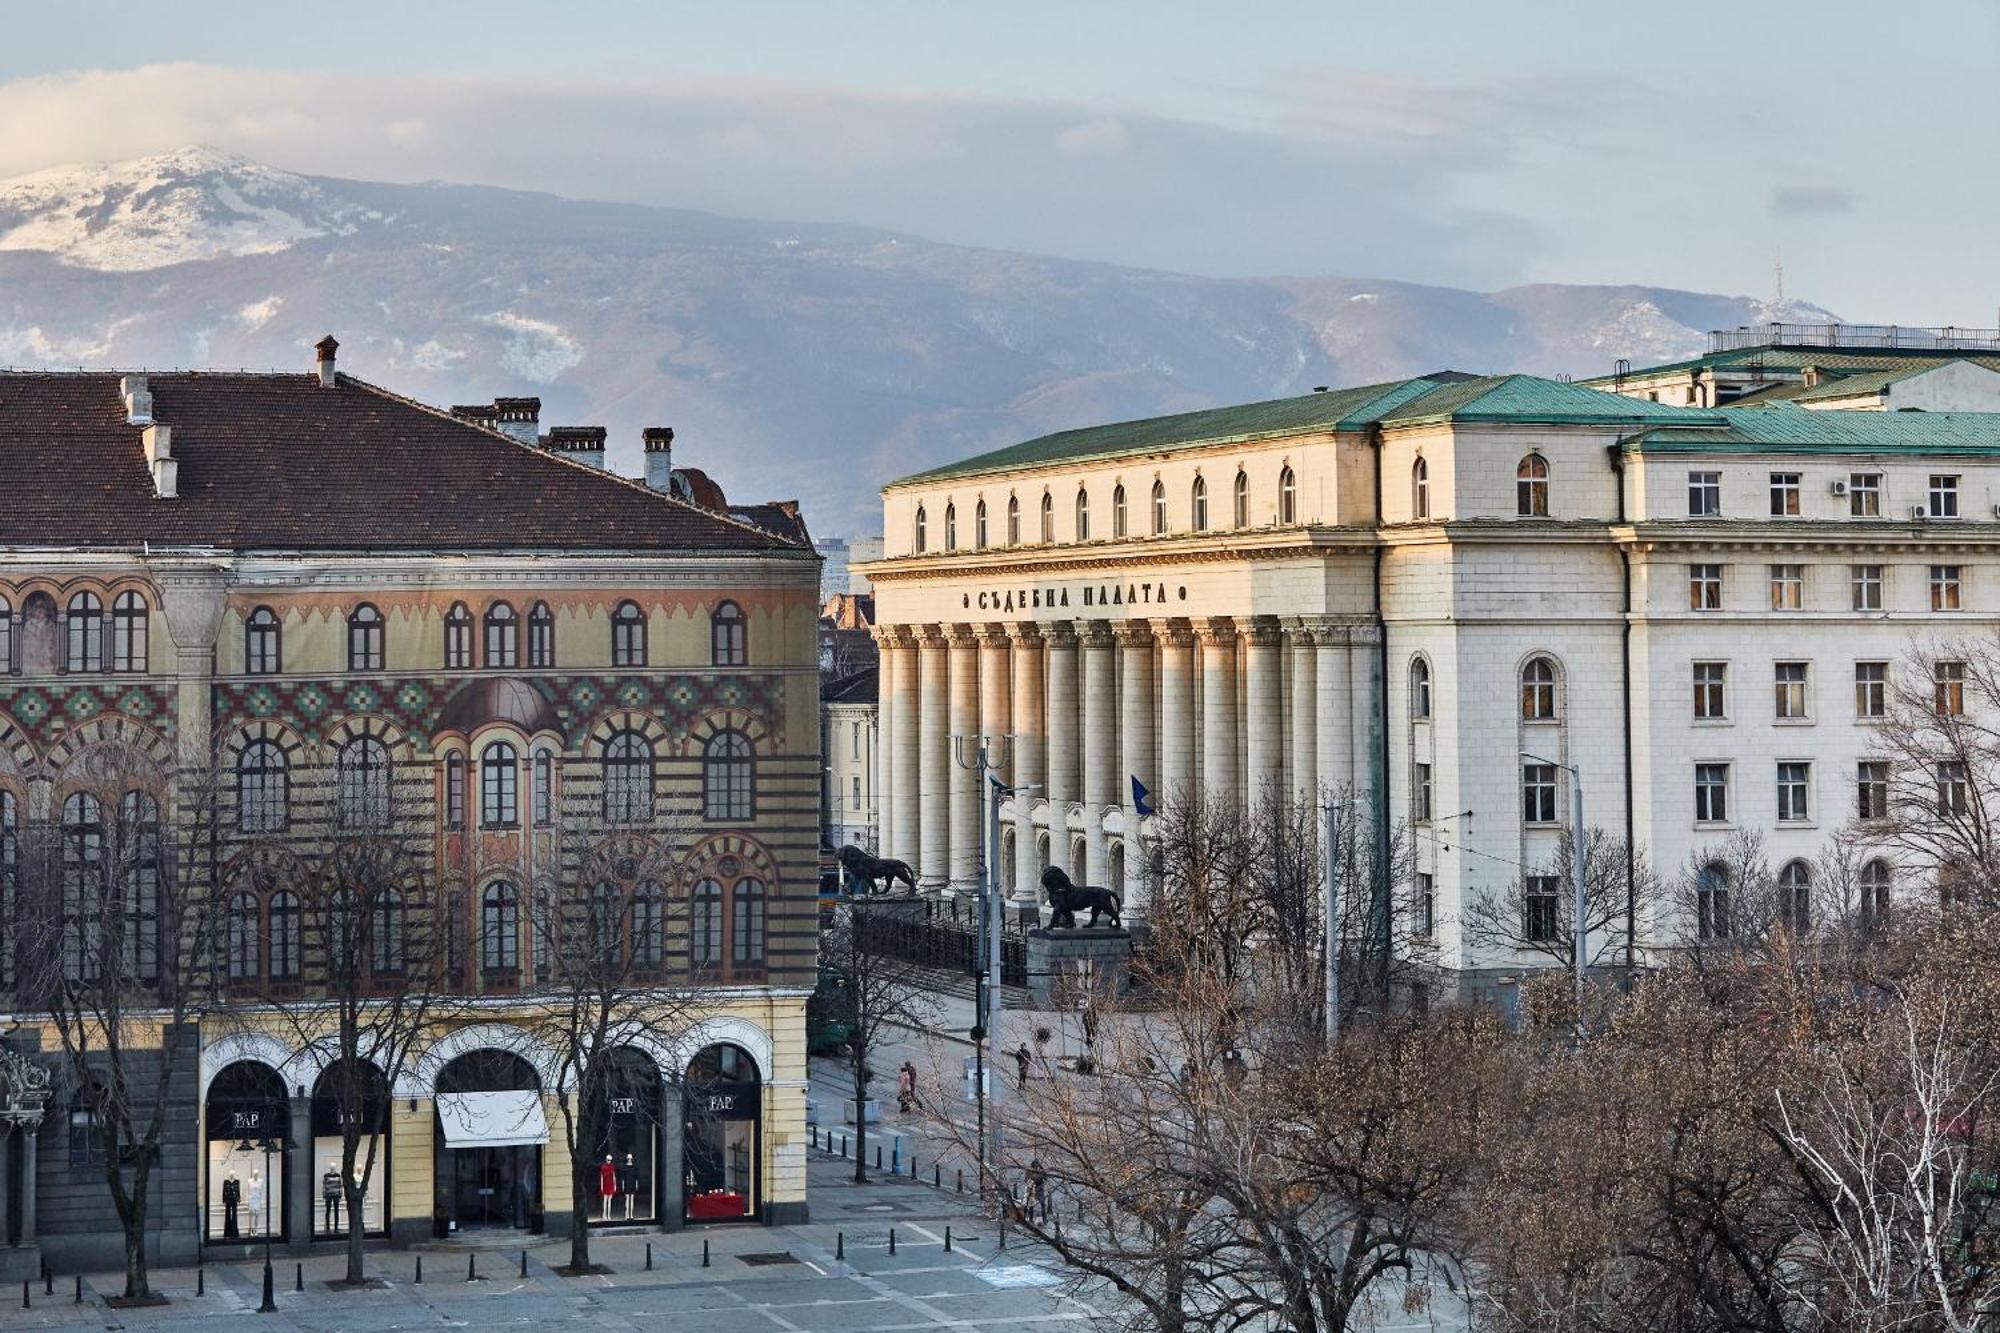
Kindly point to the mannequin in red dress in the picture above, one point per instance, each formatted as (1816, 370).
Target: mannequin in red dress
(607, 1184)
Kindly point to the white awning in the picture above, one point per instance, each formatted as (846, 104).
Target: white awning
(492, 1119)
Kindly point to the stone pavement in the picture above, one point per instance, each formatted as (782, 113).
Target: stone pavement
(760, 1279)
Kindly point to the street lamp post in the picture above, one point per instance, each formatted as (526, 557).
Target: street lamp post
(982, 754)
(268, 1144)
(1580, 923)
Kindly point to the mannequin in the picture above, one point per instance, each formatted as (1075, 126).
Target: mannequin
(254, 1198)
(607, 1185)
(330, 1194)
(628, 1183)
(232, 1196)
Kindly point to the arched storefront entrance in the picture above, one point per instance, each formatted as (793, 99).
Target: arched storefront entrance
(489, 1137)
(369, 1097)
(248, 1121)
(722, 1136)
(629, 1192)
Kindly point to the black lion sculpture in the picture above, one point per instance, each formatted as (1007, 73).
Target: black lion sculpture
(875, 870)
(1067, 899)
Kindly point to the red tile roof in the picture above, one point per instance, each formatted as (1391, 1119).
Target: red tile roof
(278, 462)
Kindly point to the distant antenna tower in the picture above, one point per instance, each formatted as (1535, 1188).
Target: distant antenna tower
(1781, 283)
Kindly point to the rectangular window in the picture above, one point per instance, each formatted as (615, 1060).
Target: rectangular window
(1789, 690)
(1422, 811)
(1788, 587)
(1709, 681)
(1864, 494)
(1704, 494)
(855, 801)
(1704, 587)
(1951, 795)
(1538, 793)
(1867, 586)
(1871, 689)
(1423, 911)
(1948, 688)
(1784, 495)
(1540, 903)
(1944, 588)
(1871, 789)
(1711, 793)
(1944, 495)
(1792, 784)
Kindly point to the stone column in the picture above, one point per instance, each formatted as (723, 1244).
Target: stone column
(904, 751)
(1064, 756)
(1030, 760)
(933, 768)
(996, 706)
(1135, 731)
(1364, 712)
(885, 741)
(1305, 710)
(1099, 722)
(1264, 712)
(1218, 709)
(1336, 709)
(967, 827)
(1177, 709)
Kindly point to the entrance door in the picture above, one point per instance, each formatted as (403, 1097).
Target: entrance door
(494, 1187)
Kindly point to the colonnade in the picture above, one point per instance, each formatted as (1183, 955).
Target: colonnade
(1235, 706)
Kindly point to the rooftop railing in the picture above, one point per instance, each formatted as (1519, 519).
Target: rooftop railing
(1902, 337)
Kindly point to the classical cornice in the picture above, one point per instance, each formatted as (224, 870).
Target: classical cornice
(1113, 559)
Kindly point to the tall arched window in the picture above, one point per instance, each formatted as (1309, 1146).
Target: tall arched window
(241, 937)
(364, 639)
(705, 924)
(545, 788)
(1048, 517)
(499, 786)
(1538, 690)
(458, 638)
(1420, 489)
(1118, 510)
(1082, 515)
(361, 782)
(83, 886)
(1013, 520)
(454, 790)
(385, 933)
(1795, 896)
(950, 526)
(979, 525)
(1875, 894)
(726, 776)
(128, 632)
(284, 936)
(1239, 511)
(1159, 508)
(503, 637)
(1711, 903)
(86, 633)
(1198, 504)
(728, 636)
(500, 927)
(263, 646)
(1531, 487)
(139, 917)
(263, 782)
(1288, 496)
(922, 534)
(649, 928)
(746, 917)
(628, 779)
(628, 635)
(541, 636)
(1420, 688)
(6, 636)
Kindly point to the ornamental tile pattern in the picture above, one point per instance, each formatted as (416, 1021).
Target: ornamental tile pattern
(44, 712)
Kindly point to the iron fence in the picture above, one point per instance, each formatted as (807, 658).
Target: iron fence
(1905, 337)
(934, 939)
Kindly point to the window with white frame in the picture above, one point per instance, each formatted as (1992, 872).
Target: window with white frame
(1423, 910)
(1420, 688)
(1864, 495)
(1943, 495)
(1945, 588)
(1788, 681)
(1420, 812)
(1531, 487)
(1711, 903)
(1793, 780)
(1710, 682)
(1538, 793)
(1541, 902)
(1420, 489)
(1871, 689)
(1784, 495)
(1711, 793)
(1866, 584)
(1948, 688)
(1788, 587)
(1704, 587)
(1795, 896)
(1048, 517)
(1871, 789)
(1704, 494)
(1951, 789)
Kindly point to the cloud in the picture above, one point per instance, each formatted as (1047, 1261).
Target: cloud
(1801, 200)
(1103, 135)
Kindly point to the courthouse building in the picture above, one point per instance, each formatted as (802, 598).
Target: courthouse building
(1441, 596)
(342, 598)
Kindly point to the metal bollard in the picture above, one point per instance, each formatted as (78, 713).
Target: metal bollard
(961, 1180)
(524, 1263)
(420, 1270)
(892, 1240)
(26, 1304)
(840, 1246)
(649, 1256)
(937, 1176)
(48, 1280)
(79, 1289)
(878, 1157)
(472, 1268)
(947, 1238)
(704, 1253)
(299, 1277)
(201, 1282)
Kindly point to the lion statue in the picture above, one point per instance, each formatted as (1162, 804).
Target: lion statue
(1067, 899)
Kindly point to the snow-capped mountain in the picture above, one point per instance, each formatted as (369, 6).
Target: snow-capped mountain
(795, 359)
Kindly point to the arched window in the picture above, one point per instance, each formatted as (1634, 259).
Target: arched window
(263, 795)
(1538, 690)
(1198, 501)
(1118, 510)
(1795, 896)
(499, 779)
(545, 788)
(1048, 517)
(6, 635)
(1159, 508)
(241, 937)
(86, 633)
(923, 535)
(728, 636)
(139, 917)
(503, 637)
(1420, 489)
(628, 635)
(1082, 515)
(364, 639)
(726, 776)
(83, 886)
(628, 779)
(1875, 894)
(500, 927)
(541, 636)
(1531, 487)
(649, 925)
(262, 645)
(979, 525)
(1288, 496)
(458, 638)
(1711, 903)
(1420, 687)
(746, 915)
(1240, 503)
(361, 782)
(705, 924)
(607, 913)
(1013, 520)
(950, 526)
(454, 790)
(128, 632)
(284, 936)
(385, 933)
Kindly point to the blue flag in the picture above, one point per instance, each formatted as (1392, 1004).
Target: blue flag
(1139, 795)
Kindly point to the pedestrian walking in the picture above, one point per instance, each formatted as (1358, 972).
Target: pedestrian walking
(1021, 1061)
(906, 1088)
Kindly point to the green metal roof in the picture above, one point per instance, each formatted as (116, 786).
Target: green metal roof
(1787, 428)
(1530, 399)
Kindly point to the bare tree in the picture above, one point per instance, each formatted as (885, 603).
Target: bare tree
(1534, 915)
(872, 987)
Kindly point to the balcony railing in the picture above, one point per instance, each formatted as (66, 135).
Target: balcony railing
(1858, 337)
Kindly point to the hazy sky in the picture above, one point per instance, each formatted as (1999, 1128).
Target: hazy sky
(1475, 144)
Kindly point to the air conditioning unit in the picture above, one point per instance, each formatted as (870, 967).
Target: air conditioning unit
(1840, 488)
(1918, 511)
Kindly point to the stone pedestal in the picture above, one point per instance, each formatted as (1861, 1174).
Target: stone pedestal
(1063, 963)
(20, 1263)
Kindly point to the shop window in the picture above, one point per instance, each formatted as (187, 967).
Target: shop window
(247, 1122)
(722, 1120)
(350, 1094)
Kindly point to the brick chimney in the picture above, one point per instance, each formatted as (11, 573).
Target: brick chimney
(660, 458)
(323, 351)
(518, 417)
(584, 444)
